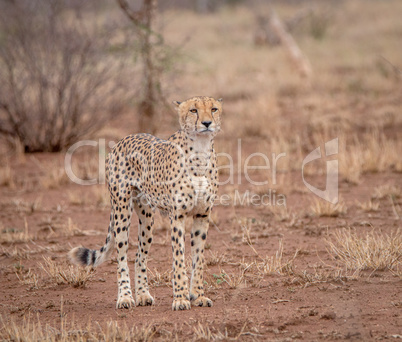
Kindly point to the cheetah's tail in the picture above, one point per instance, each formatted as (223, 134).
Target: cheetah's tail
(87, 257)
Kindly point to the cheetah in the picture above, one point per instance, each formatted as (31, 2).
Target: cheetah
(178, 176)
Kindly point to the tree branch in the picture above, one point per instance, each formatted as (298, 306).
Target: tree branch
(134, 16)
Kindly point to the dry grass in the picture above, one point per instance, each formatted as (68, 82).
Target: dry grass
(71, 229)
(28, 330)
(12, 235)
(204, 333)
(157, 278)
(276, 264)
(28, 278)
(387, 190)
(322, 208)
(322, 276)
(369, 206)
(55, 177)
(379, 153)
(250, 273)
(372, 152)
(21, 253)
(66, 274)
(6, 176)
(374, 251)
(234, 279)
(27, 207)
(54, 226)
(97, 195)
(116, 332)
(86, 166)
(350, 165)
(100, 195)
(216, 258)
(77, 198)
(15, 253)
(283, 214)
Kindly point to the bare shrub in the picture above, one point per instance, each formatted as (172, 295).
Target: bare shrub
(60, 80)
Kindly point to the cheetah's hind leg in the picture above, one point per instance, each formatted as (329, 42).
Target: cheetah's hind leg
(145, 215)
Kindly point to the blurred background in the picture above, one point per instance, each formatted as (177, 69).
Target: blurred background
(293, 75)
(287, 70)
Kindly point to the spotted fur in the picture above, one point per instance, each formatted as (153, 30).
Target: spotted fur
(179, 177)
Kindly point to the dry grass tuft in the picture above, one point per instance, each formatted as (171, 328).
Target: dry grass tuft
(322, 276)
(100, 195)
(234, 280)
(322, 208)
(28, 278)
(369, 206)
(379, 153)
(350, 164)
(202, 332)
(115, 332)
(157, 278)
(15, 253)
(66, 274)
(55, 178)
(216, 259)
(6, 176)
(12, 235)
(371, 153)
(77, 198)
(375, 251)
(283, 214)
(276, 264)
(27, 207)
(386, 191)
(71, 229)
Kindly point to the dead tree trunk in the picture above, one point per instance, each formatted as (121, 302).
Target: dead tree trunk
(286, 39)
(143, 20)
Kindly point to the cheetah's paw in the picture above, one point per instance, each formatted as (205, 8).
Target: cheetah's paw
(126, 302)
(181, 304)
(202, 301)
(144, 299)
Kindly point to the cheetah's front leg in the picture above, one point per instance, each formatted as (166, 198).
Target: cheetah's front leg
(181, 299)
(198, 239)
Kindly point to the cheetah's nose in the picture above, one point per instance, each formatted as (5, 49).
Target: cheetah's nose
(206, 123)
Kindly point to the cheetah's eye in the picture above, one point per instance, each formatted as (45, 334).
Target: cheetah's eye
(213, 110)
(193, 111)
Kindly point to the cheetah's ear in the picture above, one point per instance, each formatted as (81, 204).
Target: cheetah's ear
(220, 100)
(177, 103)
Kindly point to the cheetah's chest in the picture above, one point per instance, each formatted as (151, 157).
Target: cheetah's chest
(201, 187)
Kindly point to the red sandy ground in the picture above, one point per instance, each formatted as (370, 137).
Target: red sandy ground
(276, 307)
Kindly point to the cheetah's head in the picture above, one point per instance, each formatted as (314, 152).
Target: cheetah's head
(200, 115)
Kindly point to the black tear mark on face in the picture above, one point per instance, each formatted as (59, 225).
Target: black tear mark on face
(196, 121)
